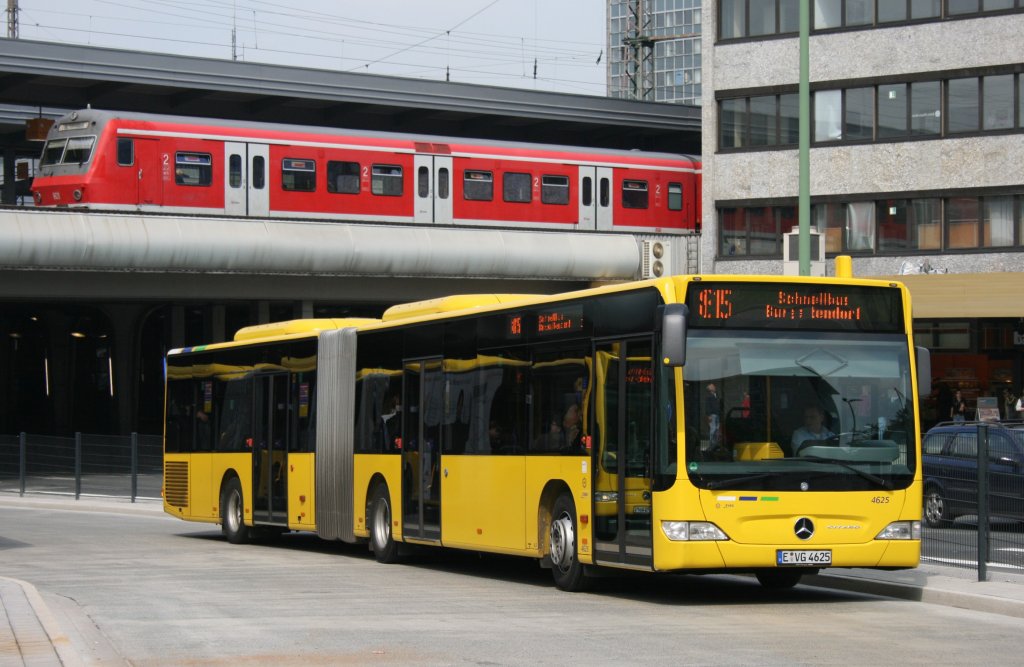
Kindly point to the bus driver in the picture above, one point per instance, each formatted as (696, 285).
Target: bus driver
(813, 429)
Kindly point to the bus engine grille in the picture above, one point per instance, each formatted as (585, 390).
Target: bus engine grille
(176, 483)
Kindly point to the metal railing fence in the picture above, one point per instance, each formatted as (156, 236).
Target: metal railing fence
(974, 499)
(86, 464)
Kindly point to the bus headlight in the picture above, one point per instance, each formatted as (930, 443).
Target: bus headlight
(901, 530)
(692, 531)
(606, 496)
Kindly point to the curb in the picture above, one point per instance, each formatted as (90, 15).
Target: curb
(928, 594)
(60, 642)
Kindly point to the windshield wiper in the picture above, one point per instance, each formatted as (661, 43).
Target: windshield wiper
(725, 483)
(874, 479)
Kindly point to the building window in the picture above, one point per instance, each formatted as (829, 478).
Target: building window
(962, 104)
(866, 226)
(828, 105)
(997, 102)
(886, 112)
(756, 18)
(343, 177)
(997, 223)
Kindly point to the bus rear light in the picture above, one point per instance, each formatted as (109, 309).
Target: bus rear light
(692, 531)
(584, 519)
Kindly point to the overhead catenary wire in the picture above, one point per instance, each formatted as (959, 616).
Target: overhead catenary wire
(465, 55)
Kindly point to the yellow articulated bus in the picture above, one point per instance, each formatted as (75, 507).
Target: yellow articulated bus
(683, 424)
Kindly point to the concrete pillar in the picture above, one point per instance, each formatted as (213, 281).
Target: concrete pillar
(307, 310)
(10, 193)
(263, 312)
(177, 326)
(61, 367)
(125, 320)
(218, 324)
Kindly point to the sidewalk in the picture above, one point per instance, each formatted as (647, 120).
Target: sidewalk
(30, 635)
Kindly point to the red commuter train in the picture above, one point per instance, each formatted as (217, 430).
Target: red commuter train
(107, 160)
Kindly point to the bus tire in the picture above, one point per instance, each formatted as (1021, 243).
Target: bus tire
(232, 509)
(565, 565)
(780, 579)
(378, 511)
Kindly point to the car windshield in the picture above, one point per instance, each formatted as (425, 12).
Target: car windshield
(812, 411)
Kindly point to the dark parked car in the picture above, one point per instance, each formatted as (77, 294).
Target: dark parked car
(950, 466)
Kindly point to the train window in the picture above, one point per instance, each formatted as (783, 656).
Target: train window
(442, 183)
(125, 152)
(386, 180)
(193, 169)
(54, 151)
(423, 182)
(298, 175)
(634, 194)
(477, 186)
(516, 188)
(554, 189)
(606, 193)
(343, 177)
(79, 150)
(675, 196)
(235, 170)
(259, 172)
(587, 191)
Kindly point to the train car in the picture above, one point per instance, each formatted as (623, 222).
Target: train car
(107, 160)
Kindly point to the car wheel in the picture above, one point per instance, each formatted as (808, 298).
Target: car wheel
(936, 509)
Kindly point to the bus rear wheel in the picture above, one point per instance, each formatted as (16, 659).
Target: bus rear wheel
(565, 566)
(378, 511)
(231, 507)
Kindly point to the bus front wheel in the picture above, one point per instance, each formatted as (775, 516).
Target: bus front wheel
(382, 542)
(231, 507)
(565, 566)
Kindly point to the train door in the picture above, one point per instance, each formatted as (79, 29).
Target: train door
(604, 198)
(624, 420)
(150, 164)
(595, 197)
(433, 188)
(422, 410)
(270, 449)
(245, 179)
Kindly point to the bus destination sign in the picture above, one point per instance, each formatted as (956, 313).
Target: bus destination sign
(793, 306)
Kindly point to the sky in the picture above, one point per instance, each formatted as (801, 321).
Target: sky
(489, 42)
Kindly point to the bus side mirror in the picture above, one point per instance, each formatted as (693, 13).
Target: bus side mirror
(924, 371)
(673, 334)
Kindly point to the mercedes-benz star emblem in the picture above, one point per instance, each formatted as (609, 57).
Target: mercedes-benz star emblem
(804, 528)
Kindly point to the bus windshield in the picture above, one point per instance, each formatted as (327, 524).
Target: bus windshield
(793, 410)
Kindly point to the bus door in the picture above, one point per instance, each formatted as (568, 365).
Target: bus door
(423, 412)
(270, 449)
(595, 197)
(623, 418)
(433, 188)
(245, 179)
(150, 163)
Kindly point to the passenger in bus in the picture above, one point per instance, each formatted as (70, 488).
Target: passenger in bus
(814, 428)
(389, 429)
(713, 412)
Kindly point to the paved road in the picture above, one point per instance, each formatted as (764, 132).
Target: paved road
(144, 589)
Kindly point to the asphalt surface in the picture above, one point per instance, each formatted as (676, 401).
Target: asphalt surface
(31, 633)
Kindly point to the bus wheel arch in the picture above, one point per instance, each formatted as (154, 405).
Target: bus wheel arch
(379, 518)
(563, 544)
(232, 511)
